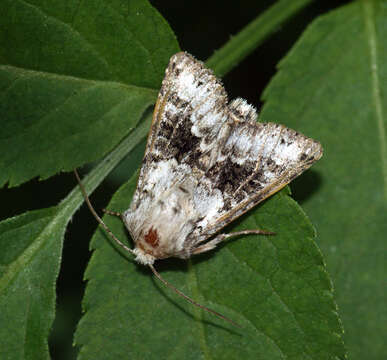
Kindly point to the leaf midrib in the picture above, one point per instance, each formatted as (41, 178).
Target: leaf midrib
(194, 288)
(36, 73)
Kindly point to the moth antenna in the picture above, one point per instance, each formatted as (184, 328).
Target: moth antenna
(177, 291)
(165, 282)
(91, 208)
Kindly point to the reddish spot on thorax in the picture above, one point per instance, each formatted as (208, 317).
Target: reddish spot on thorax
(151, 237)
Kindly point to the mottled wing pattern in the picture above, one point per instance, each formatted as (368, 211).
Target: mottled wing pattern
(257, 160)
(215, 153)
(190, 98)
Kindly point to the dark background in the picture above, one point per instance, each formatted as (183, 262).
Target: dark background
(201, 27)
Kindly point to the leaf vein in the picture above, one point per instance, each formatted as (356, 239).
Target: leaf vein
(369, 17)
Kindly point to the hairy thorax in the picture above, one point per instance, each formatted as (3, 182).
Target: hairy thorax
(159, 228)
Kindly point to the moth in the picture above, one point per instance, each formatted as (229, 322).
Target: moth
(207, 162)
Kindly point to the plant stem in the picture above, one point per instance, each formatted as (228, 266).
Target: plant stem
(246, 41)
(111, 160)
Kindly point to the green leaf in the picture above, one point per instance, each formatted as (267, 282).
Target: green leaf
(64, 122)
(29, 266)
(123, 41)
(75, 79)
(332, 86)
(281, 296)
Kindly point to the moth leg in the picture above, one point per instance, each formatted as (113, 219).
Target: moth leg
(114, 213)
(221, 237)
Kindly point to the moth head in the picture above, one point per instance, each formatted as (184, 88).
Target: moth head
(142, 257)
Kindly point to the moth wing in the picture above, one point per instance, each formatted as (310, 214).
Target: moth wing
(189, 97)
(257, 160)
(213, 156)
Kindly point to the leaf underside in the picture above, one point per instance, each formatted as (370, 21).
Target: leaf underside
(72, 84)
